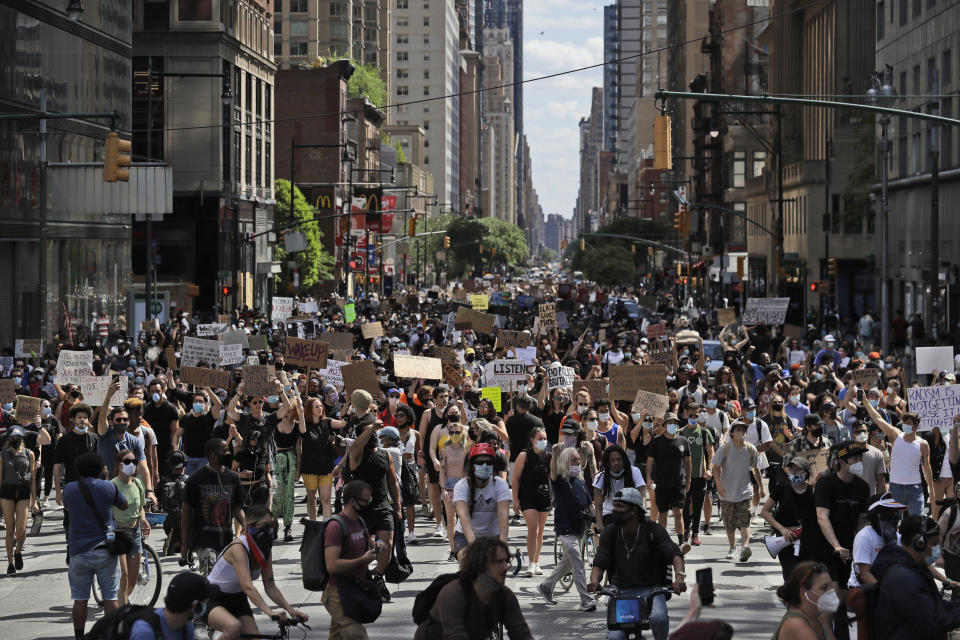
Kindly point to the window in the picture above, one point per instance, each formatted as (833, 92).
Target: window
(904, 18)
(403, 38)
(426, 21)
(662, 18)
(946, 135)
(248, 160)
(267, 167)
(195, 10)
(931, 73)
(880, 22)
(403, 91)
(426, 57)
(298, 48)
(739, 169)
(403, 4)
(277, 6)
(946, 69)
(426, 125)
(298, 6)
(426, 40)
(403, 73)
(426, 74)
(917, 5)
(277, 26)
(402, 22)
(298, 27)
(257, 168)
(916, 80)
(338, 29)
(402, 56)
(338, 9)
(759, 162)
(278, 48)
(903, 83)
(426, 91)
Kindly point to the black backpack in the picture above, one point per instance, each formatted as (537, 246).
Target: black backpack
(117, 624)
(425, 600)
(312, 559)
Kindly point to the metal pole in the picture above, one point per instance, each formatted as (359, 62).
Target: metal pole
(346, 262)
(884, 211)
(148, 271)
(779, 247)
(935, 220)
(42, 249)
(829, 222)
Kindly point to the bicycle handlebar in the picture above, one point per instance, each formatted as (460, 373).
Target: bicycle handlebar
(614, 591)
(290, 622)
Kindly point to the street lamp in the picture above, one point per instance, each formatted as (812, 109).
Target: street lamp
(227, 95)
(883, 93)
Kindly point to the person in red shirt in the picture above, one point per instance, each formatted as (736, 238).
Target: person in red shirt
(389, 414)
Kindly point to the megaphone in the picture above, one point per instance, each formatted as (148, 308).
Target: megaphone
(776, 544)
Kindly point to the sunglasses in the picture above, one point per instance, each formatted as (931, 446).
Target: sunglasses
(256, 403)
(120, 420)
(129, 461)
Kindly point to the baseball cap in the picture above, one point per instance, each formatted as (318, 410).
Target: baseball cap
(829, 338)
(570, 426)
(329, 388)
(185, 588)
(885, 501)
(671, 417)
(16, 430)
(851, 449)
(390, 432)
(394, 390)
(738, 425)
(748, 403)
(801, 463)
(874, 355)
(469, 352)
(629, 495)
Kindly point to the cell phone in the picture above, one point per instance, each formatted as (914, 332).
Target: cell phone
(705, 585)
(860, 395)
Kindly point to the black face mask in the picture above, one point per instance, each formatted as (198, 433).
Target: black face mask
(816, 432)
(622, 517)
(263, 536)
(777, 406)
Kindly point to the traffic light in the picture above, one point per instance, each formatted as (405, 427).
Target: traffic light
(493, 251)
(832, 267)
(662, 143)
(446, 242)
(678, 220)
(227, 290)
(412, 227)
(814, 287)
(116, 153)
(583, 244)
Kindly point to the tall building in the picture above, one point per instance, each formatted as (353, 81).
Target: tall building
(920, 44)
(502, 178)
(688, 21)
(611, 37)
(426, 67)
(556, 230)
(629, 47)
(221, 155)
(590, 199)
(471, 112)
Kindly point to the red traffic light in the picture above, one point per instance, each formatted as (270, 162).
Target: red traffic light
(814, 286)
(353, 264)
(227, 291)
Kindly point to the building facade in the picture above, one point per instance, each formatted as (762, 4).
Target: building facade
(499, 118)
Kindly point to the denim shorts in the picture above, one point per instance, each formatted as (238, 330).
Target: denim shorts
(83, 568)
(137, 536)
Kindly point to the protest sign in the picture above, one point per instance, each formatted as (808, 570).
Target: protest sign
(203, 377)
(27, 408)
(225, 318)
(308, 306)
(150, 325)
(548, 315)
(231, 354)
(197, 350)
(306, 353)
(930, 359)
(238, 336)
(506, 339)
(259, 379)
(479, 301)
(451, 373)
(171, 355)
(73, 365)
(95, 388)
(596, 388)
(726, 316)
(417, 367)
(506, 373)
(624, 382)
(372, 330)
(494, 395)
(332, 375)
(476, 321)
(469, 286)
(818, 462)
(653, 378)
(8, 390)
(212, 329)
(253, 360)
(659, 351)
(562, 321)
(257, 343)
(349, 312)
(338, 339)
(447, 354)
(656, 330)
(360, 375)
(936, 406)
(6, 365)
(282, 308)
(560, 377)
(653, 404)
(865, 378)
(24, 347)
(765, 311)
(343, 355)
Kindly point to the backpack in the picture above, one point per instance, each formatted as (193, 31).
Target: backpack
(170, 493)
(750, 448)
(315, 574)
(425, 600)
(117, 624)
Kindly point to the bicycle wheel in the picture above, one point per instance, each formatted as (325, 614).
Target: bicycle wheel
(150, 580)
(567, 580)
(588, 549)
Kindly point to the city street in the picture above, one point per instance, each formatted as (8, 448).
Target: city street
(37, 601)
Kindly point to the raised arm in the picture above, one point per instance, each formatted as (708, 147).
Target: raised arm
(890, 431)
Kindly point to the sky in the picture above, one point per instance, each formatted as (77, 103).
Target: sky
(559, 35)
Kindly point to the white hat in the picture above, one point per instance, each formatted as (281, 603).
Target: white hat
(829, 338)
(629, 495)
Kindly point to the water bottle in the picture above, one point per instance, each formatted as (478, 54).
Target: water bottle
(110, 533)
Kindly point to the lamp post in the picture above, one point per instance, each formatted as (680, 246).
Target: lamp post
(883, 93)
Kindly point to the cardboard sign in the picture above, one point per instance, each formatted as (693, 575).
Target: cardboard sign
(253, 360)
(507, 339)
(560, 377)
(765, 311)
(258, 379)
(338, 339)
(197, 350)
(28, 407)
(343, 355)
(171, 355)
(447, 354)
(332, 374)
(562, 321)
(231, 354)
(281, 309)
(95, 389)
(26, 348)
(596, 388)
(726, 316)
(624, 382)
(203, 377)
(8, 390)
(494, 395)
(238, 336)
(659, 351)
(653, 404)
(212, 329)
(349, 312)
(930, 359)
(936, 406)
(150, 325)
(258, 343)
(469, 285)
(657, 330)
(865, 378)
(451, 373)
(371, 330)
(480, 301)
(417, 367)
(74, 365)
(360, 375)
(653, 378)
(306, 353)
(224, 318)
(476, 321)
(548, 315)
(506, 373)
(818, 462)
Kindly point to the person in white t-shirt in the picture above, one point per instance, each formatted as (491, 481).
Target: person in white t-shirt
(883, 516)
(482, 500)
(758, 434)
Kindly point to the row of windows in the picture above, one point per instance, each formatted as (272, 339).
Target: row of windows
(405, 4)
(294, 6)
(403, 21)
(403, 38)
(405, 73)
(404, 90)
(738, 169)
(905, 10)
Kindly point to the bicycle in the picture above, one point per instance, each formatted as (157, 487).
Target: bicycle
(149, 581)
(630, 614)
(588, 550)
(283, 634)
(200, 561)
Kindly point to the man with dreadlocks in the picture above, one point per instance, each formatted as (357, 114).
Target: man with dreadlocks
(617, 473)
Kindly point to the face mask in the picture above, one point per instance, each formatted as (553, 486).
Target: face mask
(692, 422)
(907, 428)
(828, 602)
(541, 445)
(132, 362)
(470, 358)
(891, 391)
(331, 398)
(119, 428)
(47, 411)
(263, 537)
(273, 399)
(711, 404)
(604, 417)
(155, 397)
(546, 347)
(857, 469)
(797, 480)
(636, 417)
(198, 407)
(794, 400)
(672, 429)
(81, 430)
(393, 402)
(582, 408)
(616, 474)
(456, 438)
(51, 378)
(945, 431)
(453, 418)
(934, 556)
(888, 531)
(575, 471)
(750, 415)
(482, 471)
(818, 376)
(861, 437)
(776, 406)
(129, 469)
(648, 426)
(15, 441)
(702, 418)
(591, 424)
(874, 403)
(16, 380)
(8, 406)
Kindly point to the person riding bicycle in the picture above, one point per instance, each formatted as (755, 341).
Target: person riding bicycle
(244, 560)
(635, 552)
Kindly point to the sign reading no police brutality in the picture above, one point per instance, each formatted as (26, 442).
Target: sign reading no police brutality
(936, 406)
(765, 311)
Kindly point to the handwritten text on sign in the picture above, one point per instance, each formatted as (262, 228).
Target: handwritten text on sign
(652, 404)
(74, 365)
(258, 380)
(560, 377)
(504, 373)
(936, 406)
(202, 377)
(197, 350)
(765, 311)
(417, 367)
(306, 353)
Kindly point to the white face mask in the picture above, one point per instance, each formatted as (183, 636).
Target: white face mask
(857, 469)
(604, 417)
(794, 400)
(636, 417)
(129, 469)
(575, 471)
(582, 408)
(592, 425)
(861, 437)
(828, 602)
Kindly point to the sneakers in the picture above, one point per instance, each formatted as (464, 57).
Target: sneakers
(587, 606)
(514, 520)
(745, 553)
(546, 595)
(382, 588)
(11, 570)
(413, 539)
(287, 536)
(528, 573)
(451, 557)
(731, 554)
(439, 532)
(18, 560)
(695, 541)
(706, 528)
(537, 571)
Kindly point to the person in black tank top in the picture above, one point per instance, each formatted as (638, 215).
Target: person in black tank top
(433, 418)
(286, 464)
(531, 493)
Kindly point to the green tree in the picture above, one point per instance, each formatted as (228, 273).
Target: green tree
(365, 81)
(548, 255)
(468, 235)
(315, 265)
(608, 260)
(611, 265)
